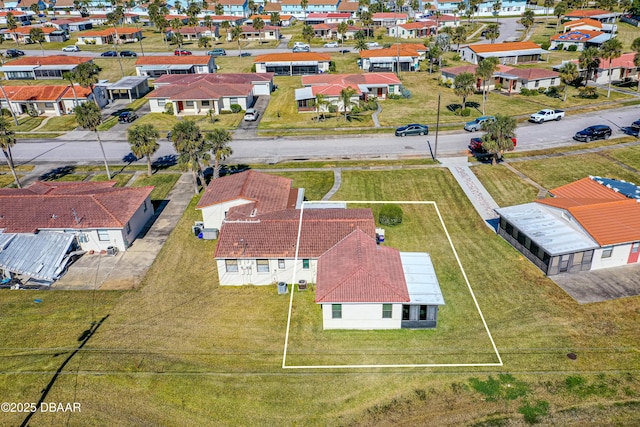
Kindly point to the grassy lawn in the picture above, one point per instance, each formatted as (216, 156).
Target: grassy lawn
(62, 123)
(164, 122)
(567, 149)
(25, 124)
(120, 178)
(345, 163)
(110, 68)
(630, 156)
(235, 64)
(315, 184)
(181, 342)
(162, 183)
(6, 179)
(505, 187)
(38, 135)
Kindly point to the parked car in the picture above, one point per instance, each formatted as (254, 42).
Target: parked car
(301, 49)
(372, 44)
(593, 132)
(251, 115)
(343, 51)
(109, 53)
(546, 115)
(245, 54)
(182, 52)
(477, 124)
(72, 48)
(300, 44)
(127, 117)
(331, 44)
(13, 53)
(128, 53)
(636, 125)
(217, 52)
(412, 129)
(475, 146)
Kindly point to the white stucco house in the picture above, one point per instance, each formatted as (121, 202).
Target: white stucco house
(156, 66)
(293, 63)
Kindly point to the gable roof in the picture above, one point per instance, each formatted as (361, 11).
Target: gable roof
(393, 51)
(576, 36)
(584, 21)
(419, 25)
(624, 61)
(27, 29)
(48, 60)
(585, 13)
(216, 78)
(293, 57)
(503, 47)
(173, 60)
(69, 205)
(389, 15)
(357, 269)
(44, 93)
(351, 79)
(532, 74)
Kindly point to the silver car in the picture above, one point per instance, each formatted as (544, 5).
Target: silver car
(477, 124)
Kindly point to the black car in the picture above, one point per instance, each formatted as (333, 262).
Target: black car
(245, 54)
(13, 53)
(109, 53)
(128, 53)
(593, 132)
(343, 51)
(127, 117)
(636, 125)
(412, 129)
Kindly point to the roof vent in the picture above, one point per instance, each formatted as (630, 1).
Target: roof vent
(54, 216)
(253, 213)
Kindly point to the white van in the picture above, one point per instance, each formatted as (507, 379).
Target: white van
(251, 115)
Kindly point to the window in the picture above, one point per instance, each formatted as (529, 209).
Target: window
(263, 265)
(281, 264)
(635, 248)
(553, 82)
(103, 235)
(336, 311)
(305, 264)
(189, 103)
(537, 83)
(162, 102)
(607, 252)
(231, 265)
(128, 228)
(233, 101)
(48, 105)
(206, 103)
(387, 311)
(145, 206)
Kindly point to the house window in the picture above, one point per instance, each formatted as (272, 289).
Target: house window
(607, 252)
(233, 101)
(231, 265)
(281, 264)
(103, 235)
(162, 102)
(387, 311)
(189, 103)
(145, 206)
(263, 265)
(537, 83)
(48, 105)
(305, 264)
(128, 228)
(206, 103)
(336, 311)
(553, 82)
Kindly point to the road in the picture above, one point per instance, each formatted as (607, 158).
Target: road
(81, 147)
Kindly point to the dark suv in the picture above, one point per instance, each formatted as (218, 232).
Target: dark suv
(13, 53)
(593, 132)
(127, 117)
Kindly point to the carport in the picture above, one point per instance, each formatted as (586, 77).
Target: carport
(132, 87)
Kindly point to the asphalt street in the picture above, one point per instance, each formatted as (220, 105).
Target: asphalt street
(82, 147)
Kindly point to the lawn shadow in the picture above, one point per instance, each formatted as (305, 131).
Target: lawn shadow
(57, 173)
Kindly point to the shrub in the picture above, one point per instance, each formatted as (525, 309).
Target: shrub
(371, 105)
(355, 110)
(545, 45)
(168, 108)
(555, 91)
(32, 111)
(393, 96)
(332, 66)
(235, 108)
(532, 413)
(498, 86)
(560, 46)
(226, 112)
(588, 92)
(542, 90)
(333, 108)
(456, 57)
(253, 68)
(6, 112)
(572, 48)
(390, 215)
(465, 112)
(405, 92)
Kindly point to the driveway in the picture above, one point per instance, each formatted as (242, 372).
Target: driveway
(601, 285)
(248, 130)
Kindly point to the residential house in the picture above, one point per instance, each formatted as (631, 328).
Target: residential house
(509, 8)
(62, 6)
(292, 7)
(22, 34)
(25, 5)
(363, 285)
(268, 32)
(349, 6)
(41, 67)
(50, 100)
(621, 69)
(22, 18)
(195, 33)
(107, 36)
(408, 56)
(587, 24)
(293, 64)
(413, 30)
(72, 25)
(603, 16)
(512, 80)
(578, 38)
(447, 21)
(448, 6)
(234, 7)
(330, 31)
(377, 85)
(508, 53)
(156, 66)
(327, 18)
(204, 93)
(233, 20)
(589, 224)
(98, 214)
(285, 20)
(389, 19)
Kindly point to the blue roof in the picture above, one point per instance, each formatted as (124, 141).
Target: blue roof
(628, 189)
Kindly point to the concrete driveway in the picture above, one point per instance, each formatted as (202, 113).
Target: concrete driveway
(601, 285)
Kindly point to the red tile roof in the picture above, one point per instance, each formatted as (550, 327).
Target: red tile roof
(532, 74)
(584, 21)
(356, 269)
(419, 25)
(389, 15)
(175, 59)
(352, 6)
(351, 79)
(274, 235)
(27, 29)
(49, 60)
(69, 205)
(502, 47)
(608, 216)
(201, 89)
(293, 57)
(393, 51)
(624, 61)
(576, 36)
(217, 78)
(585, 13)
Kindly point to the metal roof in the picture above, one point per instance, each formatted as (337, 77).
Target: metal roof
(41, 256)
(127, 83)
(304, 93)
(550, 228)
(421, 279)
(513, 53)
(625, 188)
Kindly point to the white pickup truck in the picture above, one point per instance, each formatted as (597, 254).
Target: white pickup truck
(546, 115)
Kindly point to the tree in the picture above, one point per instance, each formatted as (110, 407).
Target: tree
(37, 35)
(434, 54)
(225, 25)
(345, 96)
(8, 140)
(342, 30)
(459, 36)
(464, 85)
(191, 148)
(303, 5)
(361, 45)
(176, 24)
(589, 61)
(274, 17)
(86, 74)
(89, 117)
(366, 18)
(568, 74)
(236, 35)
(258, 25)
(497, 7)
(548, 4)
(492, 32)
(485, 71)
(70, 77)
(208, 22)
(635, 45)
(12, 25)
(143, 140)
(204, 42)
(559, 11)
(498, 137)
(219, 141)
(634, 8)
(114, 18)
(35, 8)
(527, 19)
(219, 9)
(610, 50)
(307, 33)
(192, 12)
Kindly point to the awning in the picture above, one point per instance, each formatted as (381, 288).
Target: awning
(422, 283)
(57, 67)
(9, 68)
(127, 83)
(180, 67)
(290, 64)
(304, 93)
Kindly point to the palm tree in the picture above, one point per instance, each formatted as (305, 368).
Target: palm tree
(225, 25)
(13, 114)
(321, 102)
(204, 42)
(12, 25)
(343, 27)
(548, 4)
(498, 138)
(610, 50)
(361, 45)
(8, 140)
(303, 5)
(192, 12)
(219, 140)
(89, 117)
(176, 24)
(86, 74)
(35, 8)
(274, 17)
(589, 61)
(70, 77)
(236, 34)
(113, 18)
(258, 25)
(191, 148)
(345, 96)
(464, 85)
(527, 20)
(208, 22)
(485, 71)
(635, 45)
(143, 140)
(497, 7)
(492, 32)
(307, 33)
(459, 36)
(434, 54)
(559, 11)
(37, 35)
(568, 74)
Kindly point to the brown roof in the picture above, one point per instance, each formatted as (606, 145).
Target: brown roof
(503, 47)
(584, 21)
(272, 7)
(585, 13)
(43, 93)
(290, 56)
(49, 60)
(532, 74)
(69, 205)
(201, 89)
(174, 59)
(350, 79)
(64, 3)
(393, 51)
(356, 269)
(274, 235)
(217, 78)
(351, 6)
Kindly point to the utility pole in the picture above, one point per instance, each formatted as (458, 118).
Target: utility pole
(435, 151)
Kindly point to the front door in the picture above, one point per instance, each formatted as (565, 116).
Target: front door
(633, 255)
(180, 106)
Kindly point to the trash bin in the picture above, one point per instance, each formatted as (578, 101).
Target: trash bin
(282, 288)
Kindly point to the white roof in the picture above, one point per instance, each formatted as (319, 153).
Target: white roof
(421, 279)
